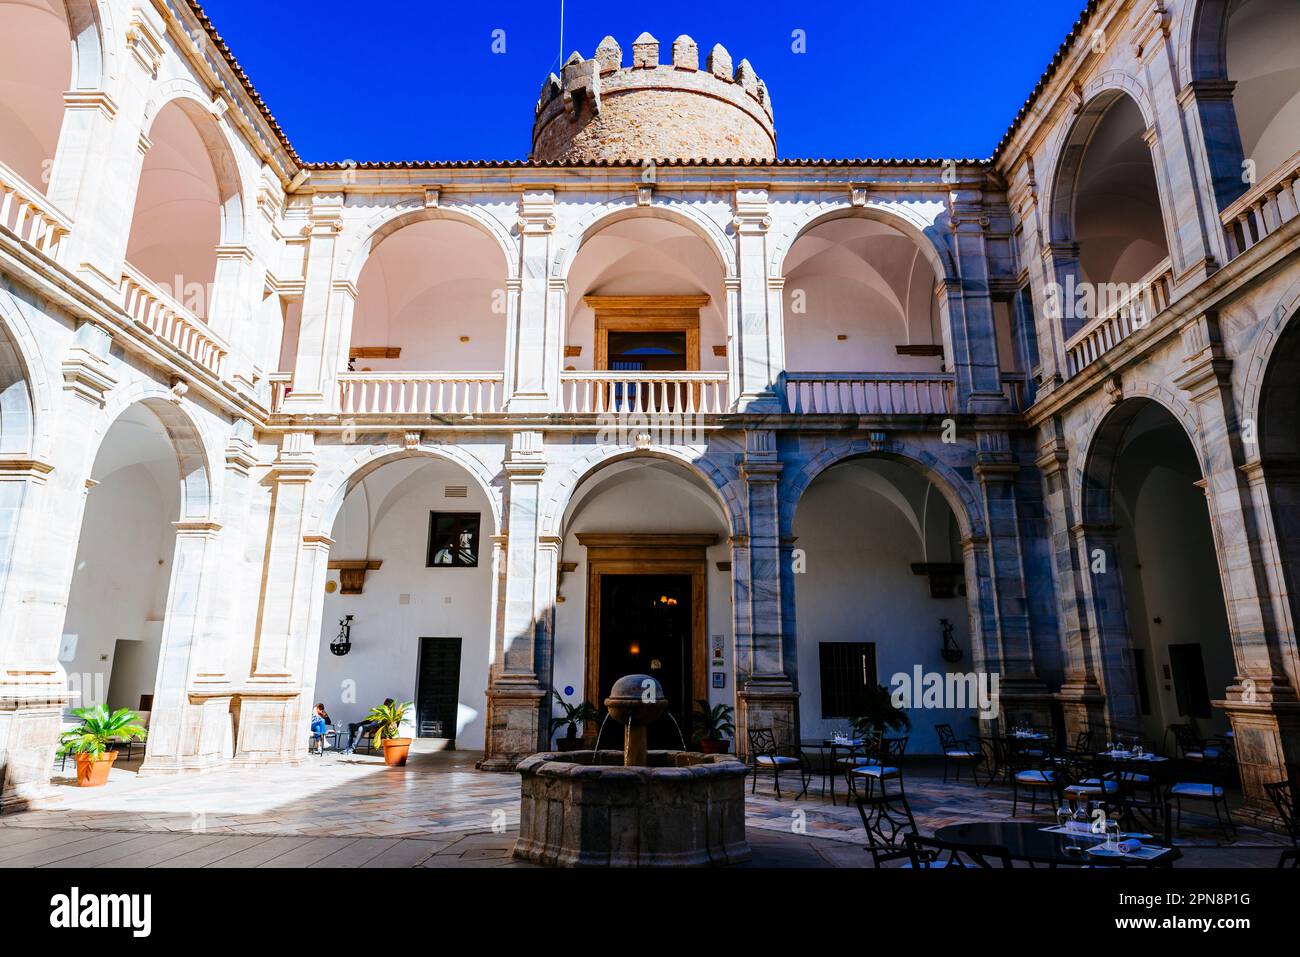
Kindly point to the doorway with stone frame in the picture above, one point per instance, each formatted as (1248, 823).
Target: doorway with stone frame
(647, 612)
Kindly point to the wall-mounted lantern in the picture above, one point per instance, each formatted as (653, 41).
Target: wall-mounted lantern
(342, 642)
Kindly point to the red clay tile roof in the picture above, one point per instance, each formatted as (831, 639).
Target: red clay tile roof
(238, 70)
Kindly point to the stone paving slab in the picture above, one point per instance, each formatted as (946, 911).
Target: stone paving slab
(352, 811)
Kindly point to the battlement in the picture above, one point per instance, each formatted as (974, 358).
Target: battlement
(598, 108)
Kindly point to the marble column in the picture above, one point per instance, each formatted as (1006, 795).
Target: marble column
(516, 695)
(766, 695)
(1261, 703)
(973, 347)
(269, 709)
(1082, 702)
(1007, 641)
(537, 311)
(326, 311)
(757, 353)
(34, 688)
(187, 727)
(1107, 618)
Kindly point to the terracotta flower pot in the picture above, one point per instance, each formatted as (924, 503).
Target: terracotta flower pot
(570, 744)
(715, 745)
(395, 751)
(93, 771)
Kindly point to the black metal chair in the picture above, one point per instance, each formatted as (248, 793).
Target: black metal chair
(766, 755)
(957, 752)
(817, 763)
(1083, 781)
(883, 764)
(887, 820)
(1283, 795)
(1192, 747)
(931, 853)
(1201, 779)
(1033, 775)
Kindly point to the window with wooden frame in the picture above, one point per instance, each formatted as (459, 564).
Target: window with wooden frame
(453, 540)
(648, 314)
(848, 670)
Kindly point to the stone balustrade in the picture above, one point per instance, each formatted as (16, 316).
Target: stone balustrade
(26, 213)
(682, 393)
(420, 393)
(1263, 209)
(1135, 309)
(869, 394)
(158, 313)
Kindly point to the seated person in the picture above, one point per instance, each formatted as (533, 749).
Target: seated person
(357, 728)
(320, 723)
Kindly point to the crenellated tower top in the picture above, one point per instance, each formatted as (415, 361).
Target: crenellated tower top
(599, 109)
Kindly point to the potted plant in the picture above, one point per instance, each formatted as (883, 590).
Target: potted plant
(90, 741)
(573, 717)
(388, 720)
(710, 726)
(879, 714)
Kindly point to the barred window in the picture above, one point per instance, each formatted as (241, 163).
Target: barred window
(453, 539)
(848, 669)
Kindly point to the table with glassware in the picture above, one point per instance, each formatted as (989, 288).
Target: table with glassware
(1064, 844)
(829, 750)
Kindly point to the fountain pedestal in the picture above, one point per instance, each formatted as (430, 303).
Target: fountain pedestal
(584, 809)
(636, 809)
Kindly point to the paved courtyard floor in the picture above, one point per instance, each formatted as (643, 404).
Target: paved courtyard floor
(352, 811)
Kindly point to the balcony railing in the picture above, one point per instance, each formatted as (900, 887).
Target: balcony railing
(1263, 210)
(1137, 308)
(31, 217)
(420, 393)
(653, 393)
(883, 393)
(155, 311)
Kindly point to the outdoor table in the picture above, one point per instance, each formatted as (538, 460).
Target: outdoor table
(1027, 841)
(832, 747)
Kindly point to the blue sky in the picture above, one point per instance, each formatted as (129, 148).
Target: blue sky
(408, 80)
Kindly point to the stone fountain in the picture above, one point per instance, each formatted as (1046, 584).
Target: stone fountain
(636, 809)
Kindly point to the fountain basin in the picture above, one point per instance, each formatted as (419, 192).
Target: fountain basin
(585, 809)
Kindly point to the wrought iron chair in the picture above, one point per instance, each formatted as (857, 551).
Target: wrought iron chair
(1202, 779)
(1031, 773)
(766, 755)
(931, 853)
(1084, 781)
(957, 752)
(884, 765)
(887, 820)
(1192, 747)
(1283, 794)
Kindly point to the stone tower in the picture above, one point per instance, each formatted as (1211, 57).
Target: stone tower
(598, 109)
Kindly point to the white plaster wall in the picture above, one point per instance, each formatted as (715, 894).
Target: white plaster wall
(119, 586)
(859, 586)
(1169, 572)
(386, 517)
(35, 69)
(1263, 53)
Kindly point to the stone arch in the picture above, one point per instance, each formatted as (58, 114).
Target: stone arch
(1202, 49)
(333, 488)
(1098, 97)
(927, 236)
(25, 401)
(198, 494)
(557, 504)
(959, 495)
(1260, 358)
(388, 221)
(222, 147)
(90, 26)
(610, 213)
(1105, 435)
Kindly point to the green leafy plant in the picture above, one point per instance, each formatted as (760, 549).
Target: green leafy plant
(880, 714)
(98, 729)
(713, 723)
(574, 715)
(388, 719)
